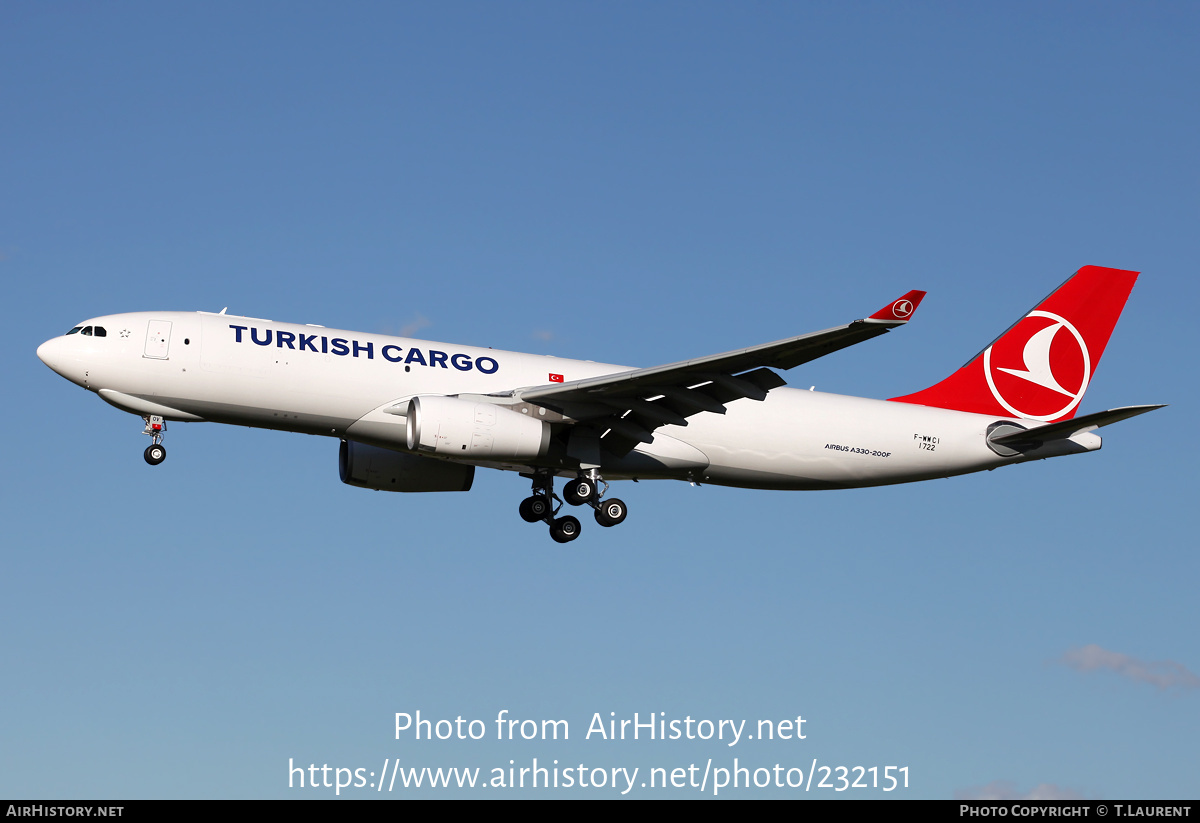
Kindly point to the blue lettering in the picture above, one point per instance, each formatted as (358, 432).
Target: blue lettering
(306, 341)
(280, 341)
(367, 348)
(479, 365)
(254, 337)
(324, 345)
(461, 362)
(415, 356)
(339, 347)
(437, 358)
(399, 354)
(237, 333)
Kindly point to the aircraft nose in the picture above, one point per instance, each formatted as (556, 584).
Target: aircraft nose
(51, 353)
(45, 353)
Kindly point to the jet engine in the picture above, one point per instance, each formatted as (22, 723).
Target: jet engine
(370, 467)
(454, 427)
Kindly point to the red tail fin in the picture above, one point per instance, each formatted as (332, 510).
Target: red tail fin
(1040, 368)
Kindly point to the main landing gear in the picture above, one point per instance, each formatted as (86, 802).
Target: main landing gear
(585, 489)
(156, 452)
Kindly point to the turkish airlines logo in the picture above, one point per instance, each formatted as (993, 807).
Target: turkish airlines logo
(1036, 371)
(902, 308)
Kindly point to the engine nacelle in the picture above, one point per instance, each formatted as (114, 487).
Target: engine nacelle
(461, 428)
(370, 467)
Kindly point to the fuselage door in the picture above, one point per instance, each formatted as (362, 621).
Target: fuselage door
(158, 339)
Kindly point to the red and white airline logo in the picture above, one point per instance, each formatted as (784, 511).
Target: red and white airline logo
(556, 378)
(902, 308)
(1037, 372)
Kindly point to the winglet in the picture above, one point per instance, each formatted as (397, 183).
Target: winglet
(900, 310)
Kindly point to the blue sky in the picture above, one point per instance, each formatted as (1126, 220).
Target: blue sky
(627, 183)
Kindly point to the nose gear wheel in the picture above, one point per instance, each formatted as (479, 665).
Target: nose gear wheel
(155, 453)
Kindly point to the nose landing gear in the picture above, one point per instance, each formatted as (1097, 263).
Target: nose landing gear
(156, 452)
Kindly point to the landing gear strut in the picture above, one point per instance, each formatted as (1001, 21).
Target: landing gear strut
(586, 489)
(156, 452)
(540, 506)
(589, 488)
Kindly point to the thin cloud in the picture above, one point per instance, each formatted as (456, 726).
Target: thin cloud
(1164, 674)
(415, 325)
(543, 334)
(1007, 790)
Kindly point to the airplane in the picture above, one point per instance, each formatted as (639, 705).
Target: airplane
(419, 416)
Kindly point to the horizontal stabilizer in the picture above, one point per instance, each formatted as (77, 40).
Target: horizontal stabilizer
(1070, 428)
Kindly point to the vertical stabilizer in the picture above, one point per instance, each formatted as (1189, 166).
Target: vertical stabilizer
(1040, 368)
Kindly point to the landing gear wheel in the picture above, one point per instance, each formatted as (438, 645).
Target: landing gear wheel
(579, 491)
(155, 454)
(611, 512)
(534, 508)
(565, 529)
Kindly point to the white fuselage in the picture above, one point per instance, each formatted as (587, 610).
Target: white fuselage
(244, 371)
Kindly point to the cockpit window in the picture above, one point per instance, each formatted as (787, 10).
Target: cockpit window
(100, 332)
(76, 330)
(87, 332)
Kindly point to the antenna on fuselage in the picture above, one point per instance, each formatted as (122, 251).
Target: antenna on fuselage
(222, 311)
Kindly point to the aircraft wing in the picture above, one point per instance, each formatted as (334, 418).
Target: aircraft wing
(626, 407)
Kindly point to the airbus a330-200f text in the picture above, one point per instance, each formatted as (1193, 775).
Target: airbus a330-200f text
(416, 416)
